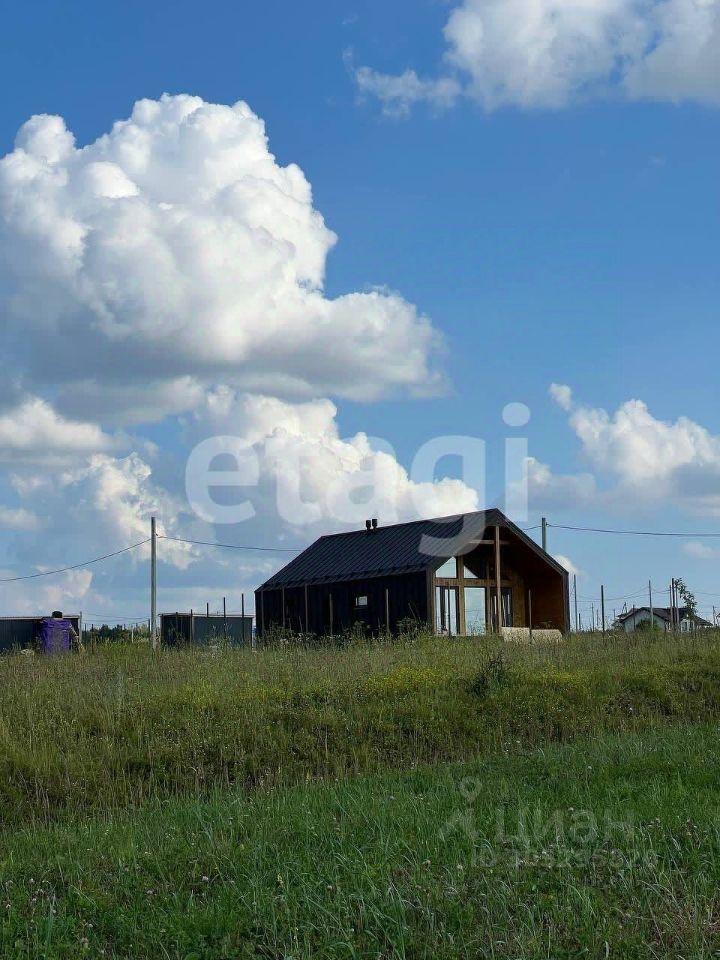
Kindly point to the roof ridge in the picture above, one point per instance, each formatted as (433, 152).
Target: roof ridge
(396, 547)
(409, 523)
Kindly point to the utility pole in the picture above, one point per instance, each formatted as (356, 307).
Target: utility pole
(544, 533)
(577, 621)
(652, 616)
(602, 603)
(153, 584)
(672, 604)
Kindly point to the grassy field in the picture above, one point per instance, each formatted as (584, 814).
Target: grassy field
(600, 848)
(124, 726)
(425, 799)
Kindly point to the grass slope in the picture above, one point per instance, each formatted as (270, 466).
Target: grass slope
(124, 727)
(599, 848)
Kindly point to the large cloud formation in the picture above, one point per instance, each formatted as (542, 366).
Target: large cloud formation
(315, 478)
(176, 247)
(549, 53)
(174, 271)
(647, 460)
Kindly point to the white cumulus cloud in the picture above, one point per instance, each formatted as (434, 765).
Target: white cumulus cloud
(562, 395)
(648, 458)
(33, 430)
(399, 94)
(17, 519)
(701, 551)
(311, 478)
(175, 248)
(550, 53)
(96, 507)
(567, 563)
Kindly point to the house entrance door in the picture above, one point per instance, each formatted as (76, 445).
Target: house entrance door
(446, 611)
(475, 611)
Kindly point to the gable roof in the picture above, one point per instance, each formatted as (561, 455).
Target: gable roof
(398, 548)
(664, 613)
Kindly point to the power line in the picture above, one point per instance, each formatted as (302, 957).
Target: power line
(626, 596)
(634, 533)
(230, 546)
(75, 566)
(106, 616)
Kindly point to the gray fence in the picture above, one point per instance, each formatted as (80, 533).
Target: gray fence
(178, 629)
(19, 633)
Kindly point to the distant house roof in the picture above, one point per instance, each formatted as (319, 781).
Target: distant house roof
(665, 613)
(398, 548)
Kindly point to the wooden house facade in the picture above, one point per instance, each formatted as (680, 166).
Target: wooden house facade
(464, 575)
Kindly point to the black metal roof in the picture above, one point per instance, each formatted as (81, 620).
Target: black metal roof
(399, 548)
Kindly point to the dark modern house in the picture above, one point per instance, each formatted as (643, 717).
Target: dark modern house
(462, 575)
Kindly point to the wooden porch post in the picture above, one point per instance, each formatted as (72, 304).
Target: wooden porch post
(530, 613)
(498, 588)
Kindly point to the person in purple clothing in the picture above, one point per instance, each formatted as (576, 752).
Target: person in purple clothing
(57, 635)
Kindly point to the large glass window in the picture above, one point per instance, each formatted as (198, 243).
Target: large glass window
(468, 573)
(475, 611)
(507, 614)
(446, 611)
(507, 606)
(448, 569)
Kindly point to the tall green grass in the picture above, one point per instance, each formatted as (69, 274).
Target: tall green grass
(607, 847)
(126, 726)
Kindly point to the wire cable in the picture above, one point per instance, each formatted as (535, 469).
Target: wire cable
(627, 596)
(634, 533)
(75, 566)
(231, 546)
(92, 617)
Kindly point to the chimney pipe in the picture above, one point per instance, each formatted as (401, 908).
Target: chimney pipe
(374, 523)
(368, 526)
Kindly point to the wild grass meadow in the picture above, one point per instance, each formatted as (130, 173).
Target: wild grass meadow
(423, 798)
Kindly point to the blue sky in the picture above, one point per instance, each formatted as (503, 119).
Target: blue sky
(573, 243)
